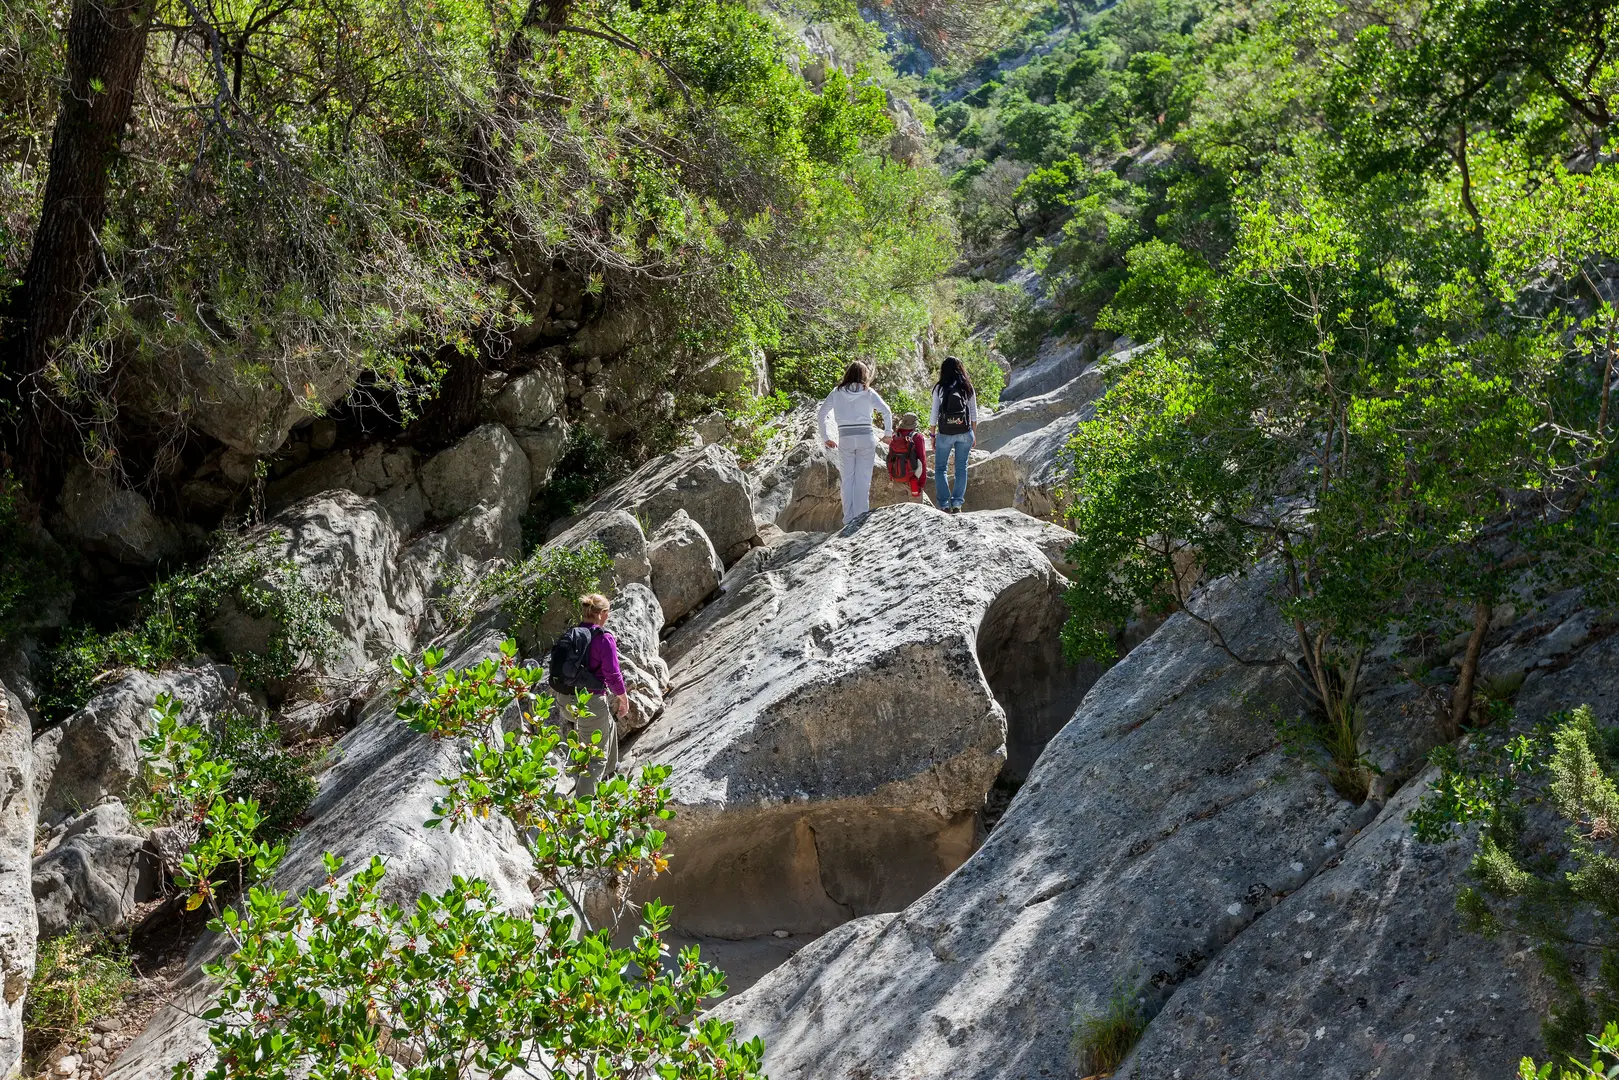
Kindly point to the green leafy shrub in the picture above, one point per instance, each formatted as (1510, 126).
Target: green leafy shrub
(1558, 890)
(173, 625)
(193, 783)
(751, 423)
(340, 983)
(1603, 1064)
(1103, 1039)
(78, 979)
(587, 465)
(527, 591)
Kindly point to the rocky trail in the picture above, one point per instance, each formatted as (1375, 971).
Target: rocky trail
(837, 706)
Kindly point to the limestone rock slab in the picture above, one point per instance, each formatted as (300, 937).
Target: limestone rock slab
(685, 569)
(18, 923)
(95, 753)
(706, 482)
(833, 731)
(1366, 967)
(1163, 789)
(97, 869)
(346, 547)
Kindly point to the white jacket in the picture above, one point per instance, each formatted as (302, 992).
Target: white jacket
(852, 410)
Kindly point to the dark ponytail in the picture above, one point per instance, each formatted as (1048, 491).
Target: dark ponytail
(953, 374)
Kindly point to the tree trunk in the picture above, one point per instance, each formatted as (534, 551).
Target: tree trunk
(454, 408)
(1461, 695)
(106, 43)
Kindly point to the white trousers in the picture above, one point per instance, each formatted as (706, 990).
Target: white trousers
(854, 477)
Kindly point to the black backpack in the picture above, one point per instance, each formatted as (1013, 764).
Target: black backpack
(569, 667)
(953, 415)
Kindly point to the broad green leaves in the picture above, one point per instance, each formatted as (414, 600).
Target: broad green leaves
(341, 983)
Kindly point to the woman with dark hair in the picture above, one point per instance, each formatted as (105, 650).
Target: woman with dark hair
(851, 405)
(953, 423)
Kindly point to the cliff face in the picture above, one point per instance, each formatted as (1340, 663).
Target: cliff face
(1165, 846)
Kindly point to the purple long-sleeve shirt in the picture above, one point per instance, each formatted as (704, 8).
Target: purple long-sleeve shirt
(602, 659)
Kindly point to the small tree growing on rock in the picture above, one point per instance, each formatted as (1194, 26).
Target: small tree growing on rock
(344, 984)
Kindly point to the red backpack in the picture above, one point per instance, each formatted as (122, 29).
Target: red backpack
(904, 459)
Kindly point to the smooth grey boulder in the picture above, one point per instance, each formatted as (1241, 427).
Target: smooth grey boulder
(635, 622)
(95, 872)
(1158, 824)
(544, 448)
(250, 408)
(531, 399)
(385, 473)
(18, 923)
(816, 500)
(95, 753)
(100, 516)
(345, 547)
(834, 730)
(706, 482)
(1053, 540)
(685, 569)
(372, 801)
(1365, 968)
(486, 467)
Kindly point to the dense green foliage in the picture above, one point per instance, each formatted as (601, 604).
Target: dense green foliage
(316, 192)
(1546, 865)
(526, 592)
(1354, 376)
(344, 982)
(174, 619)
(238, 757)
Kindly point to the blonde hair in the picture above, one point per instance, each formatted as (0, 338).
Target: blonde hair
(593, 605)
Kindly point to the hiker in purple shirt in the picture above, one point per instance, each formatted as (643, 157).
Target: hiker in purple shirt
(603, 678)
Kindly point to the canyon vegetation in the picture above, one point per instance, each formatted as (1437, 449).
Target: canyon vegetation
(1258, 716)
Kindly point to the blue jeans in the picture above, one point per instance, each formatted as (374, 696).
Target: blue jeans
(956, 491)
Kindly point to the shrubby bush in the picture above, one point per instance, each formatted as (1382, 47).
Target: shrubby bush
(340, 983)
(173, 623)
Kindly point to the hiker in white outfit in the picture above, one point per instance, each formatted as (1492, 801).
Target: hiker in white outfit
(851, 406)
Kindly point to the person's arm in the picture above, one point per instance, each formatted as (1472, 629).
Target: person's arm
(820, 420)
(604, 662)
(933, 413)
(972, 411)
(888, 415)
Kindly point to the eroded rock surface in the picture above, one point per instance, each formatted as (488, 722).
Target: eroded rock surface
(347, 547)
(18, 924)
(834, 730)
(95, 753)
(96, 870)
(1136, 798)
(705, 482)
(685, 569)
(1365, 968)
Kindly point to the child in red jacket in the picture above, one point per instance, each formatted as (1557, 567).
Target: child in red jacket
(908, 456)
